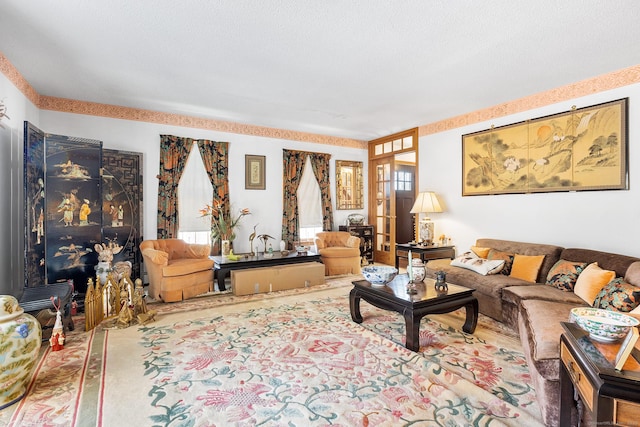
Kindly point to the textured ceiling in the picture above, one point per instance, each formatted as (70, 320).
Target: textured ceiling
(358, 69)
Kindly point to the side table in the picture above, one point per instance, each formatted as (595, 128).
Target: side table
(609, 397)
(426, 252)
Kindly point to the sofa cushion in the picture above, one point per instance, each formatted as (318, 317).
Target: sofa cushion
(542, 329)
(591, 281)
(516, 294)
(482, 266)
(505, 256)
(606, 260)
(618, 295)
(564, 274)
(526, 267)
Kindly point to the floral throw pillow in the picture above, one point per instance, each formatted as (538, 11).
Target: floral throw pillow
(507, 257)
(564, 274)
(618, 295)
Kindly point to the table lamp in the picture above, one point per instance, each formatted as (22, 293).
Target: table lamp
(426, 203)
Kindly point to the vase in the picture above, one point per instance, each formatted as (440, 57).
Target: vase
(418, 270)
(21, 338)
(225, 247)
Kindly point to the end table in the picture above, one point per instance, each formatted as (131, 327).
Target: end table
(610, 397)
(426, 252)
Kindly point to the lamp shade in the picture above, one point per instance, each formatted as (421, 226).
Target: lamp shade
(426, 202)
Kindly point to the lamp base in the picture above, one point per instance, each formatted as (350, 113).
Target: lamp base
(426, 231)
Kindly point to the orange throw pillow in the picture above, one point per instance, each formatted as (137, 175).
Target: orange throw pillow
(591, 281)
(526, 267)
(481, 252)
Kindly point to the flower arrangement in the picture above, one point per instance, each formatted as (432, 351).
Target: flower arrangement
(223, 225)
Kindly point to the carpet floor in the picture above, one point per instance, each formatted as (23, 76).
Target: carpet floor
(292, 358)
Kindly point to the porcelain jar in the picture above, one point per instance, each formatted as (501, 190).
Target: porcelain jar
(225, 247)
(418, 270)
(20, 341)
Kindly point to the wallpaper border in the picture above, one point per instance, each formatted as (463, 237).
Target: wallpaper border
(613, 80)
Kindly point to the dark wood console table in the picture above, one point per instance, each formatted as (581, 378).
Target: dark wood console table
(394, 297)
(426, 252)
(222, 266)
(609, 397)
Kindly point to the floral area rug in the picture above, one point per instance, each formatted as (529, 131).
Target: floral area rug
(283, 359)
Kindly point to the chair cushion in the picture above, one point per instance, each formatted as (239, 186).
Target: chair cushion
(180, 267)
(339, 252)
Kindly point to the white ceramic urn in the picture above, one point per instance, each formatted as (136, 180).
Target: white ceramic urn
(20, 341)
(418, 270)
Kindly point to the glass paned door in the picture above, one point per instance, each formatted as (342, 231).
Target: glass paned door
(383, 210)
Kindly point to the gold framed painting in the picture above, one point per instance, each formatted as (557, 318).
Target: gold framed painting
(580, 149)
(254, 172)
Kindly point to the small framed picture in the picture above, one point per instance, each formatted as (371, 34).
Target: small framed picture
(626, 347)
(254, 172)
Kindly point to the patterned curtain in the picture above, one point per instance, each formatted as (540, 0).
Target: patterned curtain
(215, 156)
(320, 164)
(174, 152)
(293, 165)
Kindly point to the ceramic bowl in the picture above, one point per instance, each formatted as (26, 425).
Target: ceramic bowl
(603, 325)
(379, 275)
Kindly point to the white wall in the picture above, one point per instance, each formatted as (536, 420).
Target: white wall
(603, 220)
(265, 205)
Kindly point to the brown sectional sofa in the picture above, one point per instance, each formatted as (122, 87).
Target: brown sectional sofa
(535, 310)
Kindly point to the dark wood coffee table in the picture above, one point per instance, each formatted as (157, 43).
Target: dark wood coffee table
(394, 297)
(222, 266)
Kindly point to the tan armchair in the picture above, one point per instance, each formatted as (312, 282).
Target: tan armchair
(177, 270)
(339, 252)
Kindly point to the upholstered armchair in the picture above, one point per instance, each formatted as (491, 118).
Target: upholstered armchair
(339, 252)
(177, 270)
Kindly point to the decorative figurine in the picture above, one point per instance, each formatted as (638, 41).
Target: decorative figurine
(441, 281)
(57, 335)
(251, 237)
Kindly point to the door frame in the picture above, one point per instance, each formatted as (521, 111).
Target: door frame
(384, 150)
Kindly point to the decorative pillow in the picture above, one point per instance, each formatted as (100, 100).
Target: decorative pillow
(481, 252)
(618, 295)
(563, 274)
(591, 281)
(632, 275)
(526, 267)
(470, 261)
(506, 257)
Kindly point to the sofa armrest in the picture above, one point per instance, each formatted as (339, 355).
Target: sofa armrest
(198, 251)
(353, 242)
(156, 257)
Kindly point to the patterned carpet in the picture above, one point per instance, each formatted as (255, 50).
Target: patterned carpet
(293, 358)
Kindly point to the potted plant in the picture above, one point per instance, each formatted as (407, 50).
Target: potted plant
(223, 224)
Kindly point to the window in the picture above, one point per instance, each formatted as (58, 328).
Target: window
(309, 205)
(194, 192)
(403, 181)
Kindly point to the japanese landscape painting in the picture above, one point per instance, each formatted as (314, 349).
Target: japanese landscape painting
(581, 149)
